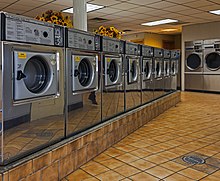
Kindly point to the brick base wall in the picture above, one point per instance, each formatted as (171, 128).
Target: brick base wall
(57, 163)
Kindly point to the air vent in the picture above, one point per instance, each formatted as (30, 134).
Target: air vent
(99, 20)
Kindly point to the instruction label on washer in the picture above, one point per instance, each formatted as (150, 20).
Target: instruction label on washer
(77, 58)
(22, 55)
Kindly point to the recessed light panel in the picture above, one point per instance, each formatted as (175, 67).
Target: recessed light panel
(160, 22)
(89, 7)
(217, 12)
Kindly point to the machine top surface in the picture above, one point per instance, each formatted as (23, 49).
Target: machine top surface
(132, 48)
(16, 28)
(147, 51)
(112, 45)
(83, 40)
(167, 54)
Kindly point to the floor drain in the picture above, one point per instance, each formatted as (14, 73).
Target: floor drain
(193, 159)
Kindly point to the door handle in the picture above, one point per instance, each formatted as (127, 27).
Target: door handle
(20, 75)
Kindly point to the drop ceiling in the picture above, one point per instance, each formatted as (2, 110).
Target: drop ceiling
(127, 14)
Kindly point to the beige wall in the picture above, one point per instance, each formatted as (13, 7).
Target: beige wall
(153, 39)
(198, 32)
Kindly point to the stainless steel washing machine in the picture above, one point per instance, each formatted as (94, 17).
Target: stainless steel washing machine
(158, 73)
(174, 69)
(32, 84)
(166, 71)
(132, 75)
(194, 65)
(113, 95)
(83, 69)
(147, 74)
(212, 65)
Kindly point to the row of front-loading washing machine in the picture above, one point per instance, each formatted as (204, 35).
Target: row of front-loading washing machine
(202, 65)
(56, 82)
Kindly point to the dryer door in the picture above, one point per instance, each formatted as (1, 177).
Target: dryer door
(193, 61)
(133, 70)
(84, 73)
(166, 68)
(212, 61)
(113, 71)
(158, 68)
(147, 69)
(35, 75)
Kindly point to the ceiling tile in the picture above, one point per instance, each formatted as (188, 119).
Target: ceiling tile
(143, 2)
(142, 9)
(141, 16)
(177, 8)
(158, 13)
(68, 3)
(108, 10)
(180, 1)
(209, 8)
(190, 11)
(104, 3)
(125, 13)
(206, 16)
(124, 6)
(201, 3)
(161, 5)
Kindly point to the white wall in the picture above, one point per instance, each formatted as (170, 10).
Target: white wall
(198, 32)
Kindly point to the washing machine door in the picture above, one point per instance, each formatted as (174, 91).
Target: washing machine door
(113, 71)
(147, 69)
(35, 75)
(133, 70)
(166, 68)
(193, 61)
(212, 61)
(174, 67)
(158, 68)
(84, 73)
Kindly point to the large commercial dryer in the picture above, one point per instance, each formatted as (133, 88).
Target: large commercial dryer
(212, 65)
(174, 69)
(32, 94)
(113, 95)
(147, 74)
(194, 65)
(167, 72)
(132, 75)
(158, 73)
(83, 80)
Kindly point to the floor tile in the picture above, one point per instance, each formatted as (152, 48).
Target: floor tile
(156, 159)
(173, 166)
(78, 175)
(193, 174)
(109, 176)
(210, 178)
(144, 177)
(142, 164)
(127, 157)
(95, 170)
(101, 157)
(113, 152)
(159, 172)
(112, 163)
(141, 153)
(177, 177)
(126, 170)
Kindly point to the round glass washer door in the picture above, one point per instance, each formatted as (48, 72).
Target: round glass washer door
(147, 70)
(113, 71)
(134, 71)
(158, 69)
(85, 74)
(193, 61)
(37, 74)
(212, 61)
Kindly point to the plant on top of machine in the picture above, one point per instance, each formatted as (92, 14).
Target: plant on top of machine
(55, 17)
(111, 32)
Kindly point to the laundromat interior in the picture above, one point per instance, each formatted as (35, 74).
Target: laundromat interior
(101, 90)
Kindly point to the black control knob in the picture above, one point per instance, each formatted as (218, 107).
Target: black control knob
(116, 46)
(45, 34)
(90, 42)
(135, 49)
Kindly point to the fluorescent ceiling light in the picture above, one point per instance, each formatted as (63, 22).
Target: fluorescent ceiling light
(217, 12)
(169, 30)
(89, 7)
(160, 22)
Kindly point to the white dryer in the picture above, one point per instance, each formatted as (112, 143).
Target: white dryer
(211, 65)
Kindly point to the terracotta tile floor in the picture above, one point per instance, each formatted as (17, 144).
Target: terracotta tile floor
(155, 151)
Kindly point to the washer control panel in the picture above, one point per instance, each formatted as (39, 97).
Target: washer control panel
(112, 45)
(167, 54)
(80, 40)
(27, 30)
(175, 54)
(132, 49)
(147, 51)
(158, 53)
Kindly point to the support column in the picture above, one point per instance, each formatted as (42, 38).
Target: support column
(80, 15)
